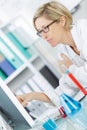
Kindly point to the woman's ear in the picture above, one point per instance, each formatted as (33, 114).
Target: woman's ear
(63, 20)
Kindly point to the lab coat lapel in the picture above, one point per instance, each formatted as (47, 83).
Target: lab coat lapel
(77, 37)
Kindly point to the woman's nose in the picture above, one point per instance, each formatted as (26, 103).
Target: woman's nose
(44, 35)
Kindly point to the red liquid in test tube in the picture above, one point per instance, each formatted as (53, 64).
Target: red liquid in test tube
(76, 82)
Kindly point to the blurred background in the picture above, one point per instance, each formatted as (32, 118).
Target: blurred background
(9, 9)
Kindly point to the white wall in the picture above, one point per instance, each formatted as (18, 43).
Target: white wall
(10, 8)
(81, 12)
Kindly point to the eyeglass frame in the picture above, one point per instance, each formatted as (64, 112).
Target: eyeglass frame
(46, 27)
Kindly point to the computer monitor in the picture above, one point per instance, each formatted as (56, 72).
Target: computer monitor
(13, 109)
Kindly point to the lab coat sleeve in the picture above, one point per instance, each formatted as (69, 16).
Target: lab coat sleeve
(66, 86)
(54, 95)
(81, 72)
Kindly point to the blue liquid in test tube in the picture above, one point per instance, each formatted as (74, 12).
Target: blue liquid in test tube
(49, 125)
(74, 110)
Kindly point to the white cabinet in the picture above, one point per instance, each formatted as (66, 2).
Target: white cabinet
(31, 72)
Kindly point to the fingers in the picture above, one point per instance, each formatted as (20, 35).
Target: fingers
(63, 63)
(66, 61)
(62, 68)
(19, 99)
(24, 103)
(64, 56)
(24, 99)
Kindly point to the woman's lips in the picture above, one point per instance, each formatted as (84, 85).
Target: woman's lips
(49, 40)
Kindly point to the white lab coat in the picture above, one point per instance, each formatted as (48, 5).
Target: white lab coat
(78, 69)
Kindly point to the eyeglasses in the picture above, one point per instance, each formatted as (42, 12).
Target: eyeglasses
(45, 29)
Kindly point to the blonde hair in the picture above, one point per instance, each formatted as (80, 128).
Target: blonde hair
(53, 10)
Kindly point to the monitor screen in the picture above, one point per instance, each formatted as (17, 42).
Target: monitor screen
(51, 78)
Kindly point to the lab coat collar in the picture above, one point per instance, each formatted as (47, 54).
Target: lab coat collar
(77, 37)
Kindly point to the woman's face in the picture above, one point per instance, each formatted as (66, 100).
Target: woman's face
(54, 34)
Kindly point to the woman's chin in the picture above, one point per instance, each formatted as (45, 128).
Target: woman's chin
(53, 44)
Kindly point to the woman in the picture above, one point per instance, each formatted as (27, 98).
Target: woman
(54, 23)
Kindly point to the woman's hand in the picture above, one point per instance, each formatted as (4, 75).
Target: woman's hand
(65, 63)
(24, 99)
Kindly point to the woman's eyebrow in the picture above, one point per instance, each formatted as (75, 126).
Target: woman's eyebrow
(41, 28)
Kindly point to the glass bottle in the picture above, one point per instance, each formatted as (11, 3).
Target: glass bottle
(49, 124)
(74, 111)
